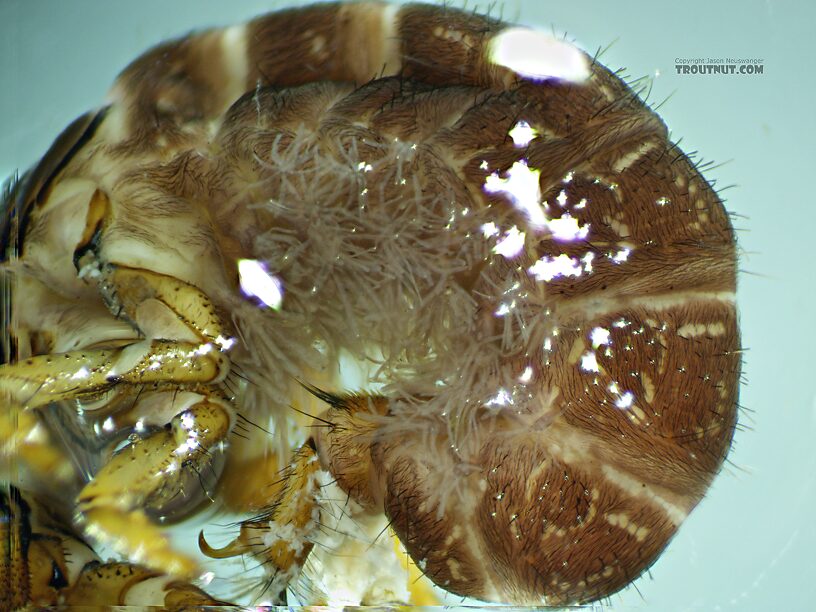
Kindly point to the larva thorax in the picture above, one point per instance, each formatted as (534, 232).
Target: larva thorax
(549, 320)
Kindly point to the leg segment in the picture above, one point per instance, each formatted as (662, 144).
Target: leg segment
(282, 537)
(135, 293)
(192, 360)
(81, 374)
(24, 438)
(150, 471)
(110, 584)
(43, 563)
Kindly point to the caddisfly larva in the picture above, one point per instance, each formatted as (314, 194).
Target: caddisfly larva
(535, 284)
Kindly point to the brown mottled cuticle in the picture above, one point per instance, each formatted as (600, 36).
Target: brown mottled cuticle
(553, 369)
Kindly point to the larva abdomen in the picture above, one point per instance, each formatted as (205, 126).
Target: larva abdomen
(540, 283)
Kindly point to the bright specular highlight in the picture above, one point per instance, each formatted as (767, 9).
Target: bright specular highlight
(539, 56)
(257, 282)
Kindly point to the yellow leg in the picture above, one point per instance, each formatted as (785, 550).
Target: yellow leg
(128, 290)
(23, 438)
(85, 374)
(244, 486)
(42, 564)
(281, 538)
(110, 584)
(152, 470)
(14, 586)
(195, 360)
(50, 378)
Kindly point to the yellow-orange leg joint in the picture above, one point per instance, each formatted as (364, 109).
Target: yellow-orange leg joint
(282, 538)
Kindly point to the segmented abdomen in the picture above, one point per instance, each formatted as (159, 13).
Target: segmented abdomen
(552, 316)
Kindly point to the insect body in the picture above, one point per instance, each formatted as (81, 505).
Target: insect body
(537, 285)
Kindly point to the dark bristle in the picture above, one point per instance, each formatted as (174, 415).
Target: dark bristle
(335, 401)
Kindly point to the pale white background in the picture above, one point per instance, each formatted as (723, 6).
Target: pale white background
(750, 544)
